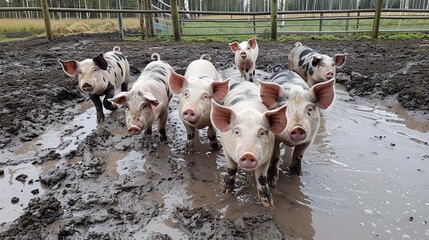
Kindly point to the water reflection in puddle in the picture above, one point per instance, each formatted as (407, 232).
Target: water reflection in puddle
(61, 138)
(119, 163)
(364, 177)
(24, 190)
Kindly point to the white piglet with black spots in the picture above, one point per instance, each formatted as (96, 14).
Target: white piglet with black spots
(148, 99)
(246, 54)
(312, 66)
(102, 75)
(303, 114)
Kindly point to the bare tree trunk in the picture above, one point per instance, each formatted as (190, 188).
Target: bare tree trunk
(99, 7)
(87, 13)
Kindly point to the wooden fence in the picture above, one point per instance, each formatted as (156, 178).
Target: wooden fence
(271, 24)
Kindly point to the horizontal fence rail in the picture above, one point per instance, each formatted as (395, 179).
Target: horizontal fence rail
(221, 23)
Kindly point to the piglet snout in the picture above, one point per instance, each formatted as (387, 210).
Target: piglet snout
(297, 134)
(134, 130)
(330, 75)
(87, 87)
(190, 116)
(243, 55)
(248, 160)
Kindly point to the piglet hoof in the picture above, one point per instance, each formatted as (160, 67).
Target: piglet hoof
(227, 184)
(267, 201)
(272, 181)
(215, 146)
(266, 197)
(100, 117)
(189, 147)
(295, 169)
(162, 136)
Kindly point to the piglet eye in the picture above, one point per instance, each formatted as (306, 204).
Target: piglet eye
(311, 110)
(237, 132)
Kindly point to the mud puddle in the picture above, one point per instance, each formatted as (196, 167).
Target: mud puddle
(364, 177)
(19, 161)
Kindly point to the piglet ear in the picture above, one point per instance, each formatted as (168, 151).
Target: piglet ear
(100, 61)
(220, 89)
(316, 60)
(233, 46)
(177, 82)
(252, 43)
(151, 98)
(324, 93)
(339, 60)
(270, 93)
(221, 116)
(277, 119)
(120, 99)
(69, 67)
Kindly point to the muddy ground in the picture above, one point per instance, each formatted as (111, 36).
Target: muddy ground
(80, 198)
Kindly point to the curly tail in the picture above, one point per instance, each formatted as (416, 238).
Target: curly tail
(155, 57)
(116, 49)
(278, 67)
(298, 44)
(206, 57)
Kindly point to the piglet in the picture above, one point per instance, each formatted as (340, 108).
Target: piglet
(196, 88)
(247, 131)
(148, 99)
(99, 76)
(303, 114)
(312, 66)
(246, 54)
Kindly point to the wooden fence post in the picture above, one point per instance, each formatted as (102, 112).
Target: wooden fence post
(274, 19)
(141, 19)
(377, 16)
(148, 18)
(121, 29)
(175, 20)
(47, 19)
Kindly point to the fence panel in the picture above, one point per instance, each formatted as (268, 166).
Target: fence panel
(218, 23)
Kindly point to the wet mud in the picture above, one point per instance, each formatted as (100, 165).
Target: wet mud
(62, 176)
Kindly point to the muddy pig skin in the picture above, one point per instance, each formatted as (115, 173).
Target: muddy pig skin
(246, 54)
(312, 66)
(196, 88)
(99, 76)
(148, 99)
(303, 114)
(247, 129)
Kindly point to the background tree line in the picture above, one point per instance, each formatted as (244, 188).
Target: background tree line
(203, 5)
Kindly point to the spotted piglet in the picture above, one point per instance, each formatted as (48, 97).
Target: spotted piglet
(312, 66)
(196, 88)
(99, 76)
(303, 114)
(247, 129)
(148, 99)
(246, 54)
